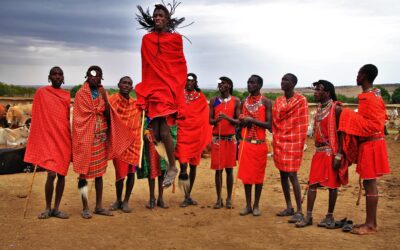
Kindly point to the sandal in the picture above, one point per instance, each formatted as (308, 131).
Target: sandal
(229, 204)
(116, 205)
(59, 214)
(161, 204)
(246, 211)
(169, 179)
(188, 202)
(348, 226)
(103, 211)
(219, 204)
(86, 214)
(326, 221)
(304, 222)
(256, 211)
(45, 214)
(336, 224)
(151, 204)
(286, 212)
(296, 217)
(125, 208)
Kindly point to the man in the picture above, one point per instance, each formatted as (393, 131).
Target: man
(97, 135)
(224, 114)
(290, 122)
(194, 134)
(49, 142)
(368, 123)
(126, 164)
(328, 157)
(163, 78)
(255, 118)
(154, 167)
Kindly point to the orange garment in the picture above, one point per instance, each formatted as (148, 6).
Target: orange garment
(130, 115)
(49, 142)
(289, 131)
(194, 132)
(164, 75)
(253, 157)
(83, 130)
(368, 124)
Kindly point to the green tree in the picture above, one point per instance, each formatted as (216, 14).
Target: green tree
(74, 90)
(384, 93)
(396, 96)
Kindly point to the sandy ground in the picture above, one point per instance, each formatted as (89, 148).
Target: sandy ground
(195, 227)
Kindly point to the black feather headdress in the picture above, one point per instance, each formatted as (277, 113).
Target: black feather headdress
(145, 19)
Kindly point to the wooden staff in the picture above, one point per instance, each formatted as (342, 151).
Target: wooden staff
(29, 192)
(304, 194)
(359, 191)
(141, 140)
(240, 157)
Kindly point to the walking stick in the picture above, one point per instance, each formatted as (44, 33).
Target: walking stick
(30, 191)
(240, 158)
(359, 191)
(304, 194)
(141, 140)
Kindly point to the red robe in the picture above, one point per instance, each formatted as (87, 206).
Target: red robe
(223, 146)
(194, 132)
(49, 142)
(253, 157)
(289, 131)
(368, 124)
(164, 75)
(83, 128)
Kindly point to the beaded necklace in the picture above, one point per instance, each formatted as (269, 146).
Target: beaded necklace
(252, 104)
(323, 111)
(191, 96)
(225, 100)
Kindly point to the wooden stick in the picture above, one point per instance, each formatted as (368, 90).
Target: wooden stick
(359, 191)
(29, 192)
(240, 157)
(141, 140)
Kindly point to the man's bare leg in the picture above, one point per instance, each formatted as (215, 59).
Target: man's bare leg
(229, 186)
(296, 190)
(162, 133)
(48, 190)
(130, 182)
(82, 187)
(152, 200)
(370, 225)
(286, 192)
(160, 200)
(59, 192)
(256, 208)
(247, 210)
(218, 187)
(98, 183)
(119, 186)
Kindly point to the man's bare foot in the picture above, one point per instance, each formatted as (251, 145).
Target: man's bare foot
(364, 230)
(102, 211)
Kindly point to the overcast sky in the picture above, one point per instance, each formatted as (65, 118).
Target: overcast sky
(315, 40)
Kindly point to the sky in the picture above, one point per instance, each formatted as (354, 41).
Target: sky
(315, 40)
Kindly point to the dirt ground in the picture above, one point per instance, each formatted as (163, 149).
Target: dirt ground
(195, 227)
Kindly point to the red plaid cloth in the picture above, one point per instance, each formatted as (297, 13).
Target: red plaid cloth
(49, 142)
(289, 130)
(83, 128)
(130, 115)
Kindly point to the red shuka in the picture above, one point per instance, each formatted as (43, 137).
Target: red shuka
(223, 152)
(194, 132)
(83, 128)
(253, 157)
(164, 75)
(49, 142)
(368, 123)
(289, 131)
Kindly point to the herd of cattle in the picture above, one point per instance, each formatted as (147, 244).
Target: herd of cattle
(14, 124)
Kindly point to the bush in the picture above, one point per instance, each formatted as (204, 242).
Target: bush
(396, 96)
(74, 90)
(384, 93)
(12, 90)
(272, 96)
(346, 99)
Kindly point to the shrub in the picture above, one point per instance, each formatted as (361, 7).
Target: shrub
(396, 96)
(384, 93)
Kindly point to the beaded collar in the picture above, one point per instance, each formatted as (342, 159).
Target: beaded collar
(191, 96)
(252, 103)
